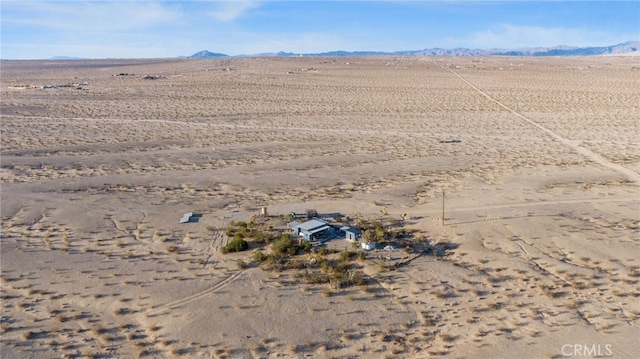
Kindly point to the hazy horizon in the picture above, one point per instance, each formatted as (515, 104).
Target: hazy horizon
(166, 29)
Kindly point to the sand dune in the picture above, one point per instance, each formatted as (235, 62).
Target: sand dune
(539, 159)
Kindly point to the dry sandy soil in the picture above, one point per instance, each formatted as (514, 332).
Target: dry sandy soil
(539, 159)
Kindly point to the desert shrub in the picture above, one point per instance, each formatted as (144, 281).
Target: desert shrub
(260, 237)
(356, 278)
(283, 244)
(173, 249)
(236, 245)
(342, 266)
(317, 278)
(242, 264)
(258, 256)
(270, 263)
(307, 247)
(347, 256)
(297, 264)
(292, 250)
(324, 264)
(448, 338)
(121, 311)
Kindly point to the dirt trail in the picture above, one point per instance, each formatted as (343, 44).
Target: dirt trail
(429, 210)
(629, 174)
(194, 297)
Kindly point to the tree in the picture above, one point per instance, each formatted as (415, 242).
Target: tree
(236, 245)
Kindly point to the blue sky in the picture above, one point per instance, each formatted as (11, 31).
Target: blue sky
(145, 28)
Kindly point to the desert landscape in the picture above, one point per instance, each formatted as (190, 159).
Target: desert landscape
(537, 256)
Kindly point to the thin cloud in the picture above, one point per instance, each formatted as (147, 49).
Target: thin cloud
(514, 36)
(232, 10)
(94, 16)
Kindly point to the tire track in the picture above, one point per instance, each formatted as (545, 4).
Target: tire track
(192, 298)
(423, 210)
(626, 172)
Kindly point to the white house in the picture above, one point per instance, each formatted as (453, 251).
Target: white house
(368, 246)
(309, 230)
(351, 234)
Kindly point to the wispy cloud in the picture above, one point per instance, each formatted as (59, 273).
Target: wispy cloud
(514, 36)
(299, 42)
(232, 10)
(102, 16)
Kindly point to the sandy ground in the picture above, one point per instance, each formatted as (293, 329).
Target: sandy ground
(538, 157)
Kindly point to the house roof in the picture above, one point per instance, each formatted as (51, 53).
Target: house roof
(315, 230)
(350, 229)
(311, 225)
(186, 217)
(293, 224)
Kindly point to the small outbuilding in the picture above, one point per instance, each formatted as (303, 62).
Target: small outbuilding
(351, 234)
(190, 217)
(368, 246)
(186, 218)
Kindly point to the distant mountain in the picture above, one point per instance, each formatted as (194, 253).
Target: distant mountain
(623, 48)
(626, 47)
(66, 58)
(330, 53)
(206, 55)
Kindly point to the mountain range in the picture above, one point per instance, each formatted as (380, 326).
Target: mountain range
(622, 48)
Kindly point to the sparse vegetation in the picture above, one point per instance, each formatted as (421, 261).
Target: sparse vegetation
(527, 266)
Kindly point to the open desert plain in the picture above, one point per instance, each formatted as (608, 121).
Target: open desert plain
(537, 256)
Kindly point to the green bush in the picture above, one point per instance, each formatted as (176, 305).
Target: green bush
(342, 266)
(324, 264)
(357, 278)
(347, 256)
(236, 245)
(261, 237)
(242, 264)
(258, 256)
(283, 244)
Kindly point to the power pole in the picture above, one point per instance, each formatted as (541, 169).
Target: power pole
(443, 208)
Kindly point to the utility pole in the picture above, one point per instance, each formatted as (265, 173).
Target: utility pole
(443, 208)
